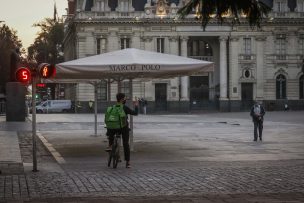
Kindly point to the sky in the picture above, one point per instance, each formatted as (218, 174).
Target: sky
(20, 15)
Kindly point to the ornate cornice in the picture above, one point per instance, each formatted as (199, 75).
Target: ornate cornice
(146, 38)
(186, 22)
(173, 38)
(234, 38)
(281, 71)
(260, 38)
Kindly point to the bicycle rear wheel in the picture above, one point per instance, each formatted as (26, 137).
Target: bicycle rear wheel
(110, 158)
(115, 154)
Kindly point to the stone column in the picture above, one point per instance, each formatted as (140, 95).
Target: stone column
(113, 40)
(81, 45)
(136, 40)
(148, 43)
(149, 90)
(173, 45)
(223, 68)
(90, 45)
(260, 47)
(174, 82)
(184, 79)
(234, 89)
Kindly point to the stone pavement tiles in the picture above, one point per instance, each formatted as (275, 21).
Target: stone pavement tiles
(10, 158)
(287, 177)
(193, 181)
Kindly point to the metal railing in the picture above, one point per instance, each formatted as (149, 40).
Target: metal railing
(247, 57)
(203, 58)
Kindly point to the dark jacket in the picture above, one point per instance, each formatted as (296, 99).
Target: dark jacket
(130, 112)
(256, 118)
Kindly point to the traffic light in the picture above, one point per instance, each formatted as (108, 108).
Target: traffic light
(46, 70)
(23, 75)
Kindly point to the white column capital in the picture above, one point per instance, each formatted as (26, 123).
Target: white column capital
(146, 38)
(136, 34)
(112, 32)
(234, 38)
(173, 38)
(184, 38)
(223, 38)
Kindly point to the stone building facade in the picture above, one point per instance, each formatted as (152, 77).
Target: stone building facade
(250, 63)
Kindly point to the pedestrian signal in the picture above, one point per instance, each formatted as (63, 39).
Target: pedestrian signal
(23, 75)
(46, 70)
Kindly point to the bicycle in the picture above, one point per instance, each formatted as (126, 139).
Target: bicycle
(114, 154)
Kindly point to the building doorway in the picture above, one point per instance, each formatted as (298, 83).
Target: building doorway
(199, 92)
(160, 96)
(247, 96)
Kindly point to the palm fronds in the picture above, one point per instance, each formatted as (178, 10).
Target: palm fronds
(222, 10)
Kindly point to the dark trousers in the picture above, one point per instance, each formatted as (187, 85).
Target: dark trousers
(125, 140)
(258, 126)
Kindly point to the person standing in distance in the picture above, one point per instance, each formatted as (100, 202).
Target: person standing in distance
(257, 113)
(121, 99)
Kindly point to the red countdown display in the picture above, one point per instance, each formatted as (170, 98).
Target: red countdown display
(23, 75)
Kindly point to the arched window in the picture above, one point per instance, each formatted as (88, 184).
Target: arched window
(301, 84)
(281, 87)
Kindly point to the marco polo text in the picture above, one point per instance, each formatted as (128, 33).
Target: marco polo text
(130, 68)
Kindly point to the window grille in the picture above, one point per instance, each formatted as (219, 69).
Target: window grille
(101, 46)
(281, 47)
(161, 45)
(124, 43)
(281, 87)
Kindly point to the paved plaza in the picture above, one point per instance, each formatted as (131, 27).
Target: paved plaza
(206, 157)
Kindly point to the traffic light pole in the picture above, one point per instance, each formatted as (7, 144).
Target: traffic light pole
(34, 123)
(44, 70)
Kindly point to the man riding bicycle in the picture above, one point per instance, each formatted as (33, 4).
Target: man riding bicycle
(124, 126)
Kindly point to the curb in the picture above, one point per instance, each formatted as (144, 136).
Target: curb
(57, 156)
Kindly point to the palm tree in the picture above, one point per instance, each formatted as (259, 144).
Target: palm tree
(253, 10)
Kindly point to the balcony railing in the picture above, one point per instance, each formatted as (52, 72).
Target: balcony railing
(285, 58)
(107, 14)
(203, 58)
(281, 57)
(247, 57)
(286, 14)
